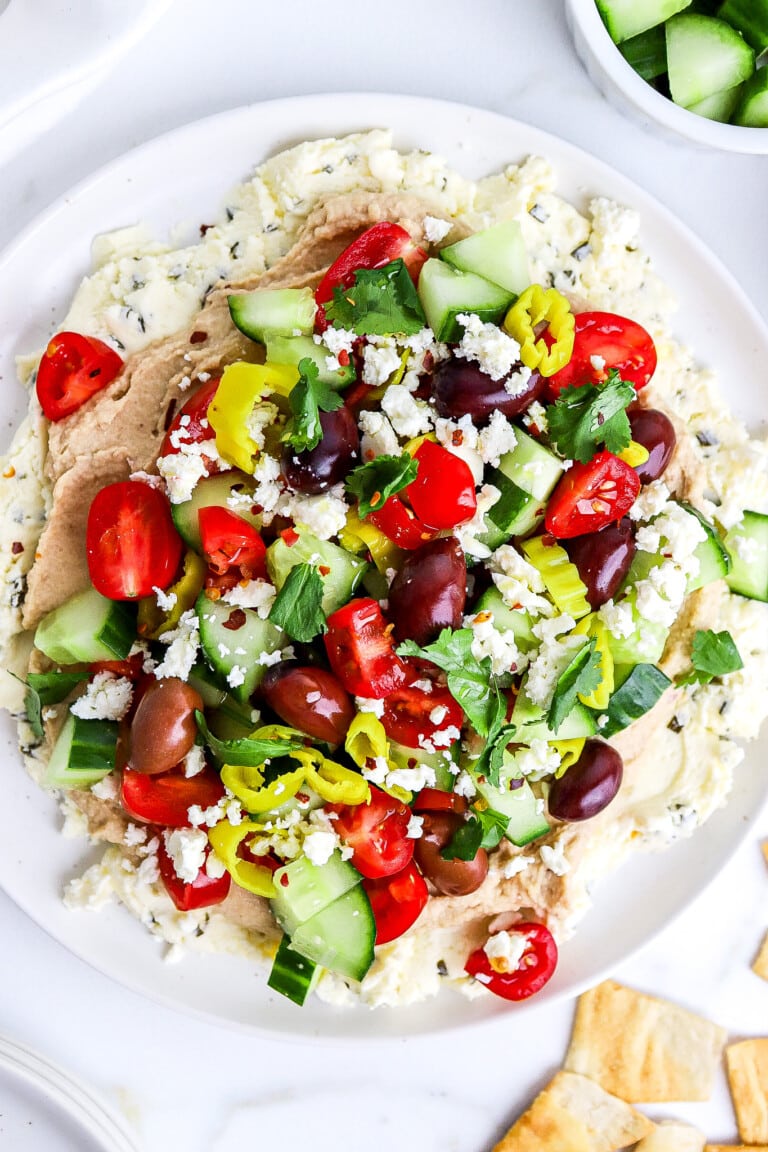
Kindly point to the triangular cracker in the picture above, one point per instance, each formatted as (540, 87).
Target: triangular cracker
(747, 1065)
(672, 1136)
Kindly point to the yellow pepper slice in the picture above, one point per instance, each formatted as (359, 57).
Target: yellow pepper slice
(634, 454)
(593, 626)
(247, 783)
(569, 751)
(333, 782)
(367, 740)
(242, 386)
(534, 306)
(154, 621)
(361, 536)
(225, 839)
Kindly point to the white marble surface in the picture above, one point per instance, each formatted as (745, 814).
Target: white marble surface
(185, 1084)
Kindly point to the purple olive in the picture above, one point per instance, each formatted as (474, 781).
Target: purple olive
(460, 387)
(429, 592)
(602, 559)
(317, 469)
(589, 785)
(655, 432)
(450, 877)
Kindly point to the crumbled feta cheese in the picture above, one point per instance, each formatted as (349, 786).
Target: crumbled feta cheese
(465, 785)
(488, 345)
(324, 515)
(648, 539)
(409, 417)
(435, 229)
(554, 858)
(106, 788)
(187, 849)
(747, 548)
(537, 760)
(415, 828)
(551, 658)
(617, 618)
(268, 659)
(319, 846)
(497, 438)
(337, 340)
(367, 704)
(262, 416)
(520, 584)
(183, 643)
(438, 714)
(165, 600)
(380, 361)
(536, 417)
(597, 362)
(444, 737)
(107, 697)
(425, 686)
(268, 487)
(467, 534)
(650, 501)
(194, 761)
(505, 950)
(378, 436)
(258, 594)
(499, 647)
(183, 470)
(134, 836)
(214, 867)
(516, 865)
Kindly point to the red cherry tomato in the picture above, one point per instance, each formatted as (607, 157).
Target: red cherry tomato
(203, 892)
(443, 493)
(436, 800)
(397, 902)
(229, 541)
(361, 650)
(623, 344)
(190, 424)
(131, 542)
(165, 799)
(408, 710)
(377, 246)
(376, 832)
(74, 368)
(590, 496)
(536, 966)
(400, 525)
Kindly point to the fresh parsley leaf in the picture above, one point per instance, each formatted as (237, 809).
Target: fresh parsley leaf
(713, 654)
(585, 417)
(43, 689)
(380, 302)
(246, 751)
(583, 675)
(373, 483)
(482, 830)
(491, 758)
(470, 681)
(298, 605)
(308, 398)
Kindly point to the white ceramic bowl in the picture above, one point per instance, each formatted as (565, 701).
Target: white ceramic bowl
(633, 95)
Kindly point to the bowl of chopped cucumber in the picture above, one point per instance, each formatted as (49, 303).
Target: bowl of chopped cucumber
(698, 68)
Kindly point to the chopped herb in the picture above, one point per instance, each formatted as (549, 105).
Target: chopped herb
(380, 302)
(492, 756)
(43, 689)
(298, 605)
(246, 751)
(470, 681)
(641, 690)
(482, 830)
(308, 397)
(586, 417)
(583, 675)
(373, 483)
(713, 654)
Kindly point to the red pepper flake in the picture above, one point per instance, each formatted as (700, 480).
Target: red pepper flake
(343, 358)
(428, 362)
(198, 337)
(324, 570)
(548, 541)
(457, 438)
(235, 620)
(205, 228)
(290, 536)
(302, 797)
(213, 593)
(17, 547)
(284, 880)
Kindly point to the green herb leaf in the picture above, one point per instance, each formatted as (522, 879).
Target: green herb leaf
(491, 758)
(643, 688)
(583, 675)
(308, 397)
(482, 830)
(380, 302)
(713, 654)
(584, 418)
(246, 751)
(373, 483)
(44, 689)
(470, 681)
(298, 605)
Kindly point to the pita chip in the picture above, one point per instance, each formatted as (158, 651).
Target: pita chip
(672, 1136)
(747, 1065)
(643, 1049)
(736, 1148)
(574, 1115)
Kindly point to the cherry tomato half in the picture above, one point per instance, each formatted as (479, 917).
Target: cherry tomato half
(623, 344)
(190, 424)
(229, 541)
(377, 246)
(590, 496)
(376, 832)
(443, 493)
(361, 650)
(408, 714)
(397, 902)
(202, 892)
(131, 542)
(166, 799)
(536, 966)
(72, 369)
(436, 800)
(132, 667)
(400, 525)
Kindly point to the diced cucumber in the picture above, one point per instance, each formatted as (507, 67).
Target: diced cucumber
(87, 628)
(508, 619)
(84, 753)
(282, 310)
(712, 555)
(752, 110)
(497, 253)
(292, 975)
(750, 17)
(231, 720)
(304, 889)
(626, 18)
(235, 653)
(719, 106)
(403, 757)
(580, 722)
(516, 512)
(515, 800)
(747, 544)
(704, 55)
(646, 642)
(214, 492)
(639, 691)
(205, 681)
(291, 349)
(445, 293)
(341, 937)
(531, 466)
(647, 52)
(345, 571)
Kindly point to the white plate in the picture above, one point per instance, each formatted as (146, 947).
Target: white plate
(37, 277)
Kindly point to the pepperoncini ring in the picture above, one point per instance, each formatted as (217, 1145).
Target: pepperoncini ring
(225, 839)
(247, 783)
(333, 782)
(242, 387)
(153, 621)
(593, 626)
(534, 306)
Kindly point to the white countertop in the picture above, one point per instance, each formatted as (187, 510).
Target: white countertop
(181, 1081)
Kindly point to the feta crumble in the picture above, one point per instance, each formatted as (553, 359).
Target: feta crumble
(488, 345)
(107, 697)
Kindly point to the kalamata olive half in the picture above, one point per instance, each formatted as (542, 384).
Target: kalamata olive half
(319, 468)
(429, 592)
(603, 559)
(589, 785)
(460, 387)
(163, 727)
(449, 877)
(309, 699)
(656, 433)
